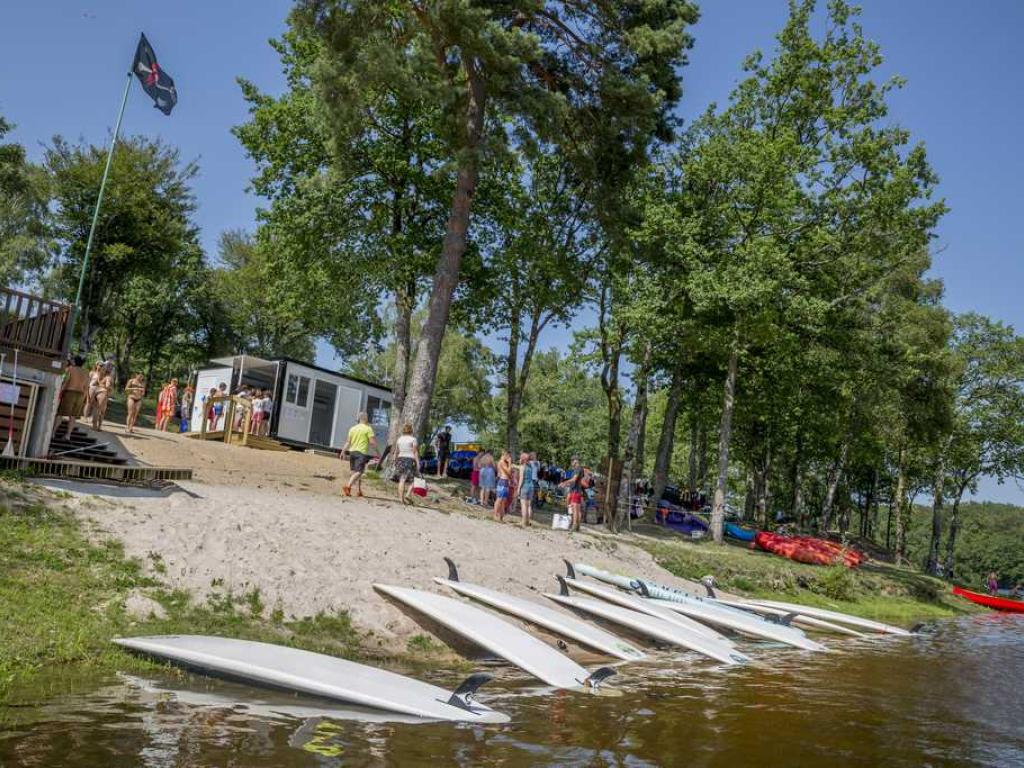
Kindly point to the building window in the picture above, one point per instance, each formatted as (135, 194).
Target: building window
(297, 391)
(379, 411)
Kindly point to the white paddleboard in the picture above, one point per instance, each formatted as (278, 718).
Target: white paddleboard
(750, 625)
(804, 621)
(651, 626)
(702, 610)
(318, 675)
(559, 622)
(827, 615)
(635, 603)
(500, 638)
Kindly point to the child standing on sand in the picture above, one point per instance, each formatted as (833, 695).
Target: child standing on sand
(268, 408)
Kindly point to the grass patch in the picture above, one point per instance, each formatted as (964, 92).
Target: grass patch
(880, 592)
(62, 600)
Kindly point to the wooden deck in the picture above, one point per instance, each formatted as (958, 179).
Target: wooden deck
(251, 441)
(89, 470)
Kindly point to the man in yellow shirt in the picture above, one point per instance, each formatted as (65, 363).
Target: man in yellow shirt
(360, 439)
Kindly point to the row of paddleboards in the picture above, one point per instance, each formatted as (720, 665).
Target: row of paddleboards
(604, 609)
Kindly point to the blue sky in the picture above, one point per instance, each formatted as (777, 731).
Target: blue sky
(62, 66)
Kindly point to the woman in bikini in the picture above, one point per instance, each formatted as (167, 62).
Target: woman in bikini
(134, 390)
(90, 395)
(504, 489)
(99, 399)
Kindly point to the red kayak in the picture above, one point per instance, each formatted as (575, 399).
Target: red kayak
(990, 601)
(807, 549)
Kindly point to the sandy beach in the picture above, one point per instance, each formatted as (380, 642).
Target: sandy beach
(277, 522)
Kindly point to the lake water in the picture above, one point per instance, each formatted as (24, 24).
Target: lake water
(951, 696)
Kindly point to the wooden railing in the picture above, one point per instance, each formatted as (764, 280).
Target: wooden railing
(32, 324)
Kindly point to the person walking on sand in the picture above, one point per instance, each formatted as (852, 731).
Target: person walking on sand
(72, 394)
(407, 463)
(527, 480)
(211, 409)
(101, 395)
(134, 391)
(360, 439)
(94, 381)
(504, 488)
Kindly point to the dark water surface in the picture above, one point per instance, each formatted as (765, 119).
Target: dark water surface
(951, 696)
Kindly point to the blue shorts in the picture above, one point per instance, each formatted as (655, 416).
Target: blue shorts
(502, 488)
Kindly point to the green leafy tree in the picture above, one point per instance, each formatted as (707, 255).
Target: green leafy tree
(260, 317)
(145, 229)
(24, 240)
(986, 438)
(598, 80)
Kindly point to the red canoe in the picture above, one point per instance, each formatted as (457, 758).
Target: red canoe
(807, 549)
(990, 601)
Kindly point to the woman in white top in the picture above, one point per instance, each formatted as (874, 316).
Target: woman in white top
(407, 463)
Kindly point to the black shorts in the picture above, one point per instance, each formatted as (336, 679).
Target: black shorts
(442, 456)
(357, 461)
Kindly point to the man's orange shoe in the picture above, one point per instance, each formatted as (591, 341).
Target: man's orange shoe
(346, 490)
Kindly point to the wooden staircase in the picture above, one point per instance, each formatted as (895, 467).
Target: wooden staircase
(81, 446)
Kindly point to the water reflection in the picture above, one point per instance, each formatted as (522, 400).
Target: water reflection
(951, 696)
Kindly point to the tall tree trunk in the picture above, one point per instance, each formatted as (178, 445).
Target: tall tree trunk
(667, 440)
(512, 387)
(622, 506)
(724, 441)
(693, 460)
(446, 274)
(901, 523)
(763, 480)
(835, 475)
(518, 374)
(938, 488)
(797, 506)
(703, 476)
(640, 458)
(404, 302)
(612, 342)
(954, 529)
(749, 494)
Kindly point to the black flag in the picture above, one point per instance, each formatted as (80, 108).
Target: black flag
(157, 83)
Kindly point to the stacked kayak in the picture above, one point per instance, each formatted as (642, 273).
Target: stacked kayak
(991, 601)
(807, 549)
(739, 533)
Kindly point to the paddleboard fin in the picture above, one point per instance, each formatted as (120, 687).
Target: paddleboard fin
(563, 588)
(642, 588)
(598, 677)
(569, 570)
(463, 695)
(709, 585)
(917, 628)
(453, 572)
(787, 620)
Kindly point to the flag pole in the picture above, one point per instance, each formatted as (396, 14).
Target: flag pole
(96, 215)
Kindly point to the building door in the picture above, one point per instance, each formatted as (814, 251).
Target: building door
(321, 426)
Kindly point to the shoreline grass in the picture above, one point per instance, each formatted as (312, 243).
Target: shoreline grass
(873, 591)
(62, 600)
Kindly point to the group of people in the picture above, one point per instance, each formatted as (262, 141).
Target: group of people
(508, 482)
(84, 395)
